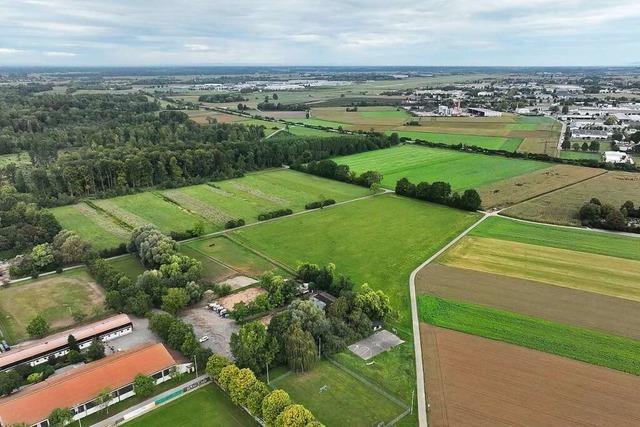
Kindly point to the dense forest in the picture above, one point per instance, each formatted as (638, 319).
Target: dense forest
(105, 145)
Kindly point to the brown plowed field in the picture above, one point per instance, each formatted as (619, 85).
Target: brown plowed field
(473, 381)
(556, 303)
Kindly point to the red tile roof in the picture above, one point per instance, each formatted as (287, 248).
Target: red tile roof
(48, 344)
(35, 403)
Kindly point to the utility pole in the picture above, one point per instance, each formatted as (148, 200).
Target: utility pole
(268, 382)
(412, 393)
(195, 360)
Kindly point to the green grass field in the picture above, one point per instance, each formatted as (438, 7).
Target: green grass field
(130, 265)
(91, 225)
(253, 194)
(581, 344)
(577, 155)
(207, 406)
(488, 142)
(303, 131)
(602, 274)
(557, 237)
(56, 297)
(225, 257)
(461, 170)
(148, 208)
(379, 241)
(365, 406)
(320, 122)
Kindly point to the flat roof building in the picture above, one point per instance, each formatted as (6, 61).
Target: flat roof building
(484, 112)
(56, 345)
(617, 157)
(78, 389)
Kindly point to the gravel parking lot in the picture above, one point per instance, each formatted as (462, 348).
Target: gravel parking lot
(140, 335)
(218, 329)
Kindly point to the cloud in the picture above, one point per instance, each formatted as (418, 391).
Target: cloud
(58, 54)
(358, 32)
(8, 51)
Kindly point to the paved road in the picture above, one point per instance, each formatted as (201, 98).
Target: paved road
(422, 401)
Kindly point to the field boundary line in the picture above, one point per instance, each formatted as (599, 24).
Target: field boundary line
(113, 216)
(417, 343)
(260, 254)
(546, 193)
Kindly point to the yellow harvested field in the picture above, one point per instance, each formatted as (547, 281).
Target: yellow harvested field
(562, 206)
(517, 189)
(579, 270)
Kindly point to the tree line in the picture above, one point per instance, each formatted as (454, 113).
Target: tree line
(439, 192)
(602, 215)
(330, 169)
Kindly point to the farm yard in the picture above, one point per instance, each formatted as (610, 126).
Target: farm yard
(206, 406)
(562, 206)
(477, 381)
(461, 170)
(59, 298)
(108, 222)
(324, 391)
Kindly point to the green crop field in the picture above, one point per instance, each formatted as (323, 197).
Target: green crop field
(222, 257)
(558, 237)
(581, 344)
(304, 131)
(130, 265)
(148, 208)
(56, 297)
(575, 155)
(207, 406)
(324, 391)
(379, 241)
(101, 230)
(488, 142)
(461, 170)
(603, 274)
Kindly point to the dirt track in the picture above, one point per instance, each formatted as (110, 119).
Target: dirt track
(571, 306)
(490, 383)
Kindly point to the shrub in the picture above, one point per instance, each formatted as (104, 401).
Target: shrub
(274, 214)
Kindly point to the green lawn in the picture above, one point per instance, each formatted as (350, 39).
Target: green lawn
(345, 401)
(91, 225)
(379, 241)
(207, 406)
(320, 122)
(148, 208)
(581, 344)
(130, 265)
(304, 131)
(56, 297)
(557, 237)
(461, 170)
(488, 142)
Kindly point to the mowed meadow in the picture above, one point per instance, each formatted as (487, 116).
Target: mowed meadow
(417, 163)
(108, 222)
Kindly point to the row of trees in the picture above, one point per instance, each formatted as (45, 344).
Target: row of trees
(330, 169)
(601, 215)
(439, 192)
(273, 407)
(222, 97)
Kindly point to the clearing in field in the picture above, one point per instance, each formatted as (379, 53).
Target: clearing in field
(338, 398)
(578, 270)
(562, 206)
(149, 208)
(222, 257)
(488, 142)
(474, 381)
(91, 225)
(245, 296)
(574, 239)
(611, 351)
(364, 239)
(207, 406)
(461, 170)
(56, 297)
(519, 188)
(589, 310)
(130, 265)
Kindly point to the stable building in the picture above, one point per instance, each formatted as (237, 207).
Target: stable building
(483, 112)
(79, 388)
(38, 352)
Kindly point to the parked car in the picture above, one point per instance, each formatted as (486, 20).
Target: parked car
(203, 339)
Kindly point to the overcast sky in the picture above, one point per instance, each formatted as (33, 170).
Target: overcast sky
(320, 32)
